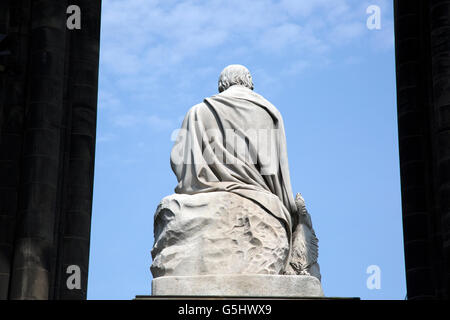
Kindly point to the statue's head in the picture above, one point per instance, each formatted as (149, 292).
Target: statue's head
(235, 74)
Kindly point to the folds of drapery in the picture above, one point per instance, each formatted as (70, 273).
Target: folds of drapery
(235, 141)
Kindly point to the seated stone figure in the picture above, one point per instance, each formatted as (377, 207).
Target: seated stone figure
(233, 211)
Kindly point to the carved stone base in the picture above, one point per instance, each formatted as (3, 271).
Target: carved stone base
(216, 233)
(251, 285)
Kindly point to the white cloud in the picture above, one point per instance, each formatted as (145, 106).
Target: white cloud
(290, 36)
(107, 100)
(346, 32)
(147, 43)
(161, 34)
(297, 67)
(106, 137)
(306, 8)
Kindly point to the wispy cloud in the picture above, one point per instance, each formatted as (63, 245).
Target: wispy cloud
(148, 45)
(161, 34)
(105, 137)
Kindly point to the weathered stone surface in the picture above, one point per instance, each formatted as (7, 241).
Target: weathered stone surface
(216, 233)
(238, 285)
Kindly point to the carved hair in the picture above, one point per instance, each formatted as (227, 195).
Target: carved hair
(235, 74)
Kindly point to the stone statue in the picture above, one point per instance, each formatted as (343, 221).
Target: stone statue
(233, 212)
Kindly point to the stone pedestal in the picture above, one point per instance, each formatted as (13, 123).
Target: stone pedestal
(251, 285)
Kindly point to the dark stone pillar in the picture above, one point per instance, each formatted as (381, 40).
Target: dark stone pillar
(423, 102)
(47, 143)
(78, 185)
(15, 17)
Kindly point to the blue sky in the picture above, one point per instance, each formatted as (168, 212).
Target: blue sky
(333, 81)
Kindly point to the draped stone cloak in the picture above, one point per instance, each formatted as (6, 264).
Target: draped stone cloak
(235, 142)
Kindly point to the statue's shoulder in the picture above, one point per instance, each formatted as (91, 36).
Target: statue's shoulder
(199, 112)
(199, 107)
(268, 105)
